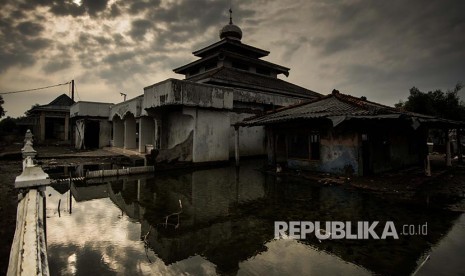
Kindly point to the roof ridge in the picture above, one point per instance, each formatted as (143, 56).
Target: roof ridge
(305, 102)
(362, 103)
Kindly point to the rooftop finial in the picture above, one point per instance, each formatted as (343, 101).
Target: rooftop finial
(230, 30)
(230, 16)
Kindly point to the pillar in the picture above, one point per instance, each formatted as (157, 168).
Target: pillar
(66, 135)
(130, 132)
(118, 132)
(42, 126)
(448, 153)
(158, 133)
(271, 146)
(146, 132)
(236, 144)
(459, 145)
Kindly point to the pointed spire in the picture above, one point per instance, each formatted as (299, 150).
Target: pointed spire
(230, 16)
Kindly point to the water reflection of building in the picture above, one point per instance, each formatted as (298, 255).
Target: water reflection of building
(228, 217)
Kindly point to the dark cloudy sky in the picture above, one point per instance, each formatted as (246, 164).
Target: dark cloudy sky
(378, 49)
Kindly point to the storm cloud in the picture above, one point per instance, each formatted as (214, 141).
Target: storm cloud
(376, 49)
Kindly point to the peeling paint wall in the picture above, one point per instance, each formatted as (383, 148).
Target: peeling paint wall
(176, 128)
(177, 92)
(339, 154)
(180, 152)
(253, 96)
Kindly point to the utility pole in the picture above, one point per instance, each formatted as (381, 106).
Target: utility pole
(72, 90)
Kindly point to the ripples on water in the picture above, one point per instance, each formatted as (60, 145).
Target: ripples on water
(226, 227)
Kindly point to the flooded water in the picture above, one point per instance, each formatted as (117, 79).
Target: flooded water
(221, 222)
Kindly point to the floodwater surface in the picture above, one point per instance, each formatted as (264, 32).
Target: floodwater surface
(221, 222)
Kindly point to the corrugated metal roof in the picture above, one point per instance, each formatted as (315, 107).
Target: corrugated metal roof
(338, 108)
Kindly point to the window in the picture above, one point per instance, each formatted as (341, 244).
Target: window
(304, 146)
(315, 146)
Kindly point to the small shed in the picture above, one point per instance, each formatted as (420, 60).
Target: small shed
(343, 134)
(51, 121)
(91, 125)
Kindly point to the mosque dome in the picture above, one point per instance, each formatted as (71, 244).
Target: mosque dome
(231, 31)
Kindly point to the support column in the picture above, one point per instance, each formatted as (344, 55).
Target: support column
(130, 132)
(158, 133)
(459, 145)
(42, 126)
(66, 136)
(118, 132)
(448, 152)
(271, 146)
(146, 132)
(236, 144)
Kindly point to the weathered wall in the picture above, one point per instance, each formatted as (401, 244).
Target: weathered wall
(180, 152)
(133, 106)
(130, 141)
(146, 132)
(177, 92)
(252, 96)
(176, 128)
(105, 133)
(251, 139)
(118, 132)
(339, 154)
(92, 109)
(211, 135)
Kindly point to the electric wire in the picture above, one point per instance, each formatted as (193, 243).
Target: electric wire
(33, 89)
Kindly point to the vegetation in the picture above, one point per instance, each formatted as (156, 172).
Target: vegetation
(436, 103)
(2, 111)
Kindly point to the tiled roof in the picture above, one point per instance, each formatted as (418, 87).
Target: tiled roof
(63, 100)
(239, 78)
(338, 108)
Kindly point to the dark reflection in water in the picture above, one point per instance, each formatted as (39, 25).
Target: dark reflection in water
(226, 226)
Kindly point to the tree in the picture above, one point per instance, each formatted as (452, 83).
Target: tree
(7, 125)
(437, 103)
(29, 110)
(2, 111)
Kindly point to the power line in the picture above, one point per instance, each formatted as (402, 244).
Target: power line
(34, 89)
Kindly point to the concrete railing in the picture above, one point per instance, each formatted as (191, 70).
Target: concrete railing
(28, 255)
(118, 172)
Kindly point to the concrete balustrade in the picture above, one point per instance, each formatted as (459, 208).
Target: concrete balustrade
(28, 254)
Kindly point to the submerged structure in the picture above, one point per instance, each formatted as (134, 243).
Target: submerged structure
(342, 134)
(190, 120)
